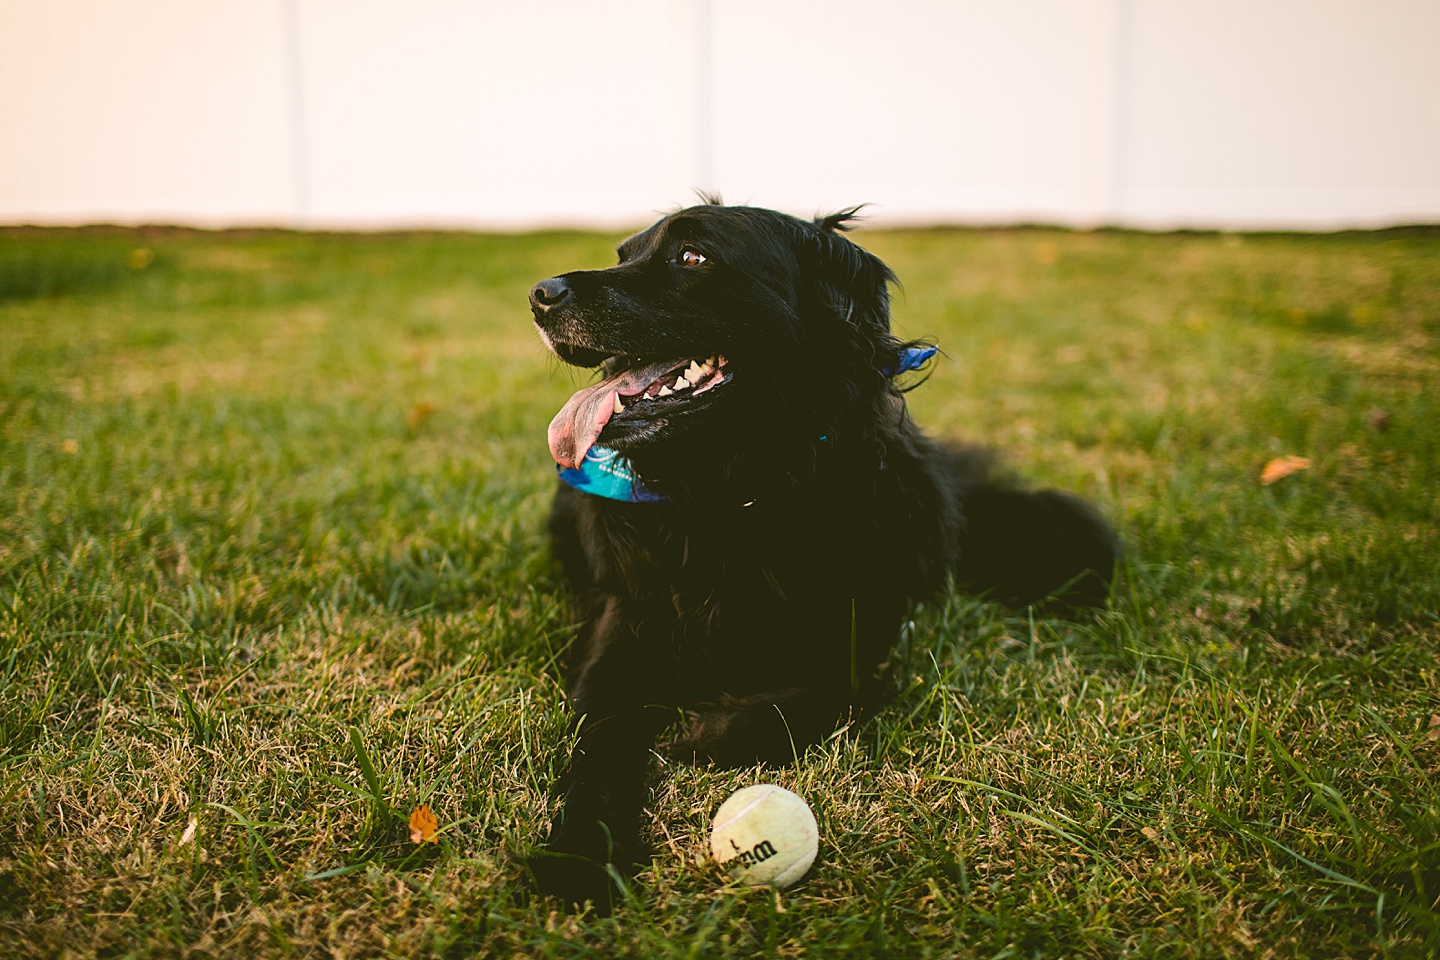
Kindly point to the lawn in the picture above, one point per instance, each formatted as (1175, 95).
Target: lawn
(273, 573)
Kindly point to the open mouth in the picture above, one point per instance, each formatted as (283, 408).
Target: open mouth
(633, 391)
(675, 383)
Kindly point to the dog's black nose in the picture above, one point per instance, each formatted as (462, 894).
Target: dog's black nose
(548, 293)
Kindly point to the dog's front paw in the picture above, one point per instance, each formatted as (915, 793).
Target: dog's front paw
(736, 733)
(575, 880)
(582, 862)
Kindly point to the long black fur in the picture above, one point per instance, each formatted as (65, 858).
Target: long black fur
(803, 504)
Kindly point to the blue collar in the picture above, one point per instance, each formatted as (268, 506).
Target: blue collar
(605, 473)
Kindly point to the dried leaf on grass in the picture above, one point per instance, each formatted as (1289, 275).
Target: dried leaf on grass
(419, 413)
(423, 825)
(1282, 467)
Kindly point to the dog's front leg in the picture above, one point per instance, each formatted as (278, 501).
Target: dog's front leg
(597, 829)
(595, 837)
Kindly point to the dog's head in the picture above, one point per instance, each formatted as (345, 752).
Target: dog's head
(720, 319)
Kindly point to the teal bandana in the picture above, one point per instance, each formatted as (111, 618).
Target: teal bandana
(605, 473)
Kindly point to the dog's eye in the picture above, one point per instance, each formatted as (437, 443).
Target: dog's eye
(690, 258)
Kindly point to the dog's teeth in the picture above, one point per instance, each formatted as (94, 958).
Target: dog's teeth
(708, 368)
(619, 407)
(693, 373)
(664, 392)
(680, 383)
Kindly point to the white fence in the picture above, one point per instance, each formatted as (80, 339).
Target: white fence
(371, 113)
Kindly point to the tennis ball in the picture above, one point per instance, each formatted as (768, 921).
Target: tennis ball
(764, 834)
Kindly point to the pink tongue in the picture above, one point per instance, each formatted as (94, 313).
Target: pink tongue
(579, 422)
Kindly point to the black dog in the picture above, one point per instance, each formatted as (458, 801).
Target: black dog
(758, 511)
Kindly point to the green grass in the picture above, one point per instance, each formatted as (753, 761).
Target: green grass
(272, 573)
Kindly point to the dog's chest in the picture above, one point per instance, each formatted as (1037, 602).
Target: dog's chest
(647, 553)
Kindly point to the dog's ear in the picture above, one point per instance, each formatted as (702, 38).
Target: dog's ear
(853, 285)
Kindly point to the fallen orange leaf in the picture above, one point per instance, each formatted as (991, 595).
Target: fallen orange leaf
(423, 825)
(1283, 467)
(419, 413)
